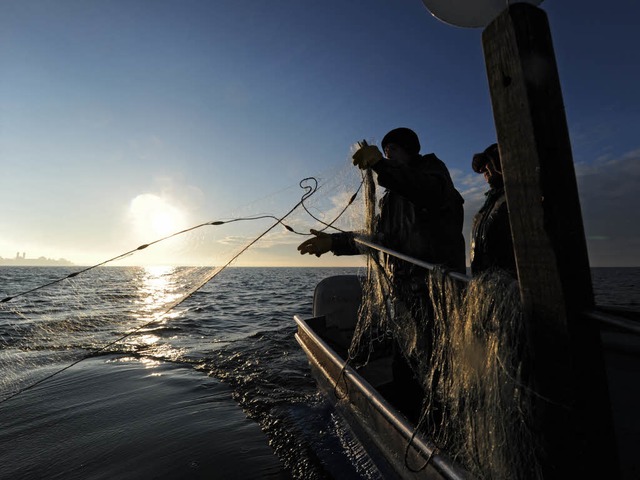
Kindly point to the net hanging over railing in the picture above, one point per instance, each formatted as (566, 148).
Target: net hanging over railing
(465, 341)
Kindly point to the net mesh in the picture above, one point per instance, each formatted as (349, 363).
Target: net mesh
(466, 345)
(53, 318)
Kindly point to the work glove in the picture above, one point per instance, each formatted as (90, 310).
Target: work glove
(317, 245)
(367, 156)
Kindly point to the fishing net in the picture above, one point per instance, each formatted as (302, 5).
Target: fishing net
(466, 346)
(53, 318)
(467, 343)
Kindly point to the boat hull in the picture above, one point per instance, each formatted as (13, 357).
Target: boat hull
(384, 432)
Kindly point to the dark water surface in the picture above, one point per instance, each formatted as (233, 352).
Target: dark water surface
(218, 390)
(113, 417)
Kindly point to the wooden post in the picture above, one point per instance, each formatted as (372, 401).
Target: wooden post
(572, 411)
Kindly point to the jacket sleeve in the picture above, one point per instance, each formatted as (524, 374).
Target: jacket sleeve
(424, 183)
(344, 244)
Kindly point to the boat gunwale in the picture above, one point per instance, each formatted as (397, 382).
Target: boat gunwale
(440, 463)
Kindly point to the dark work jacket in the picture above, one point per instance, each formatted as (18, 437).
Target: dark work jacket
(491, 241)
(421, 215)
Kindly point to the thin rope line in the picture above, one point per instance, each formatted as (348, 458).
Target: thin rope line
(310, 190)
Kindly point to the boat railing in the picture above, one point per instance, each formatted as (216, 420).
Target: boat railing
(603, 318)
(429, 266)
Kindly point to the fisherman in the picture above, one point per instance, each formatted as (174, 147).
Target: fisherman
(421, 215)
(491, 241)
(421, 212)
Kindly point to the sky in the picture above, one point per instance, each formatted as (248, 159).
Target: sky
(123, 121)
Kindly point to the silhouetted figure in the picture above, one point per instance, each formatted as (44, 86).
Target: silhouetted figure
(421, 212)
(491, 241)
(421, 215)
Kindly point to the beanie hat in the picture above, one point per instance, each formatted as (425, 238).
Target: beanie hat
(403, 137)
(490, 155)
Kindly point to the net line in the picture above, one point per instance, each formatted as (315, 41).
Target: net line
(26, 333)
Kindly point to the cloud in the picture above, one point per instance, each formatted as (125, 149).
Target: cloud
(609, 191)
(472, 187)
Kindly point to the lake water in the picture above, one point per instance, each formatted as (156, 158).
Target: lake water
(218, 388)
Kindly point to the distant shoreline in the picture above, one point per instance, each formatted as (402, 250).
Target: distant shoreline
(35, 262)
(47, 262)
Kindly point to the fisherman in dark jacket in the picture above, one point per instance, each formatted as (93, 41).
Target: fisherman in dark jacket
(421, 215)
(421, 212)
(491, 241)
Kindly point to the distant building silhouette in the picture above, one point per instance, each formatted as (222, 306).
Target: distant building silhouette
(21, 260)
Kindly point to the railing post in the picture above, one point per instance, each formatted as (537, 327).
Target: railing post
(572, 409)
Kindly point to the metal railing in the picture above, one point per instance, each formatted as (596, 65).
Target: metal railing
(604, 318)
(429, 266)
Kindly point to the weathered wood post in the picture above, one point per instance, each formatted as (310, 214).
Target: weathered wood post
(572, 409)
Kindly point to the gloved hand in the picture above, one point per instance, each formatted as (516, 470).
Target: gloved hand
(367, 156)
(317, 245)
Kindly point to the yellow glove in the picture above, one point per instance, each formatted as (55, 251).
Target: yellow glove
(367, 156)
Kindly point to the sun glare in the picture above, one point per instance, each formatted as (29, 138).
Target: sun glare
(155, 216)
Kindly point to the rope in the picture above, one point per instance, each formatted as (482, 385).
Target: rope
(310, 190)
(330, 225)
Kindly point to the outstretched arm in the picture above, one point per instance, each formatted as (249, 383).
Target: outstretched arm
(318, 245)
(337, 243)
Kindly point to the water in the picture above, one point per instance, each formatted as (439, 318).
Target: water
(220, 389)
(617, 286)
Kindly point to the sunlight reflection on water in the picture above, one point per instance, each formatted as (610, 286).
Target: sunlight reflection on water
(158, 289)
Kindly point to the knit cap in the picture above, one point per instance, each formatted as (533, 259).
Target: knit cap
(490, 155)
(403, 137)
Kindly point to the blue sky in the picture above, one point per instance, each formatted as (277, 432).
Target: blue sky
(124, 120)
